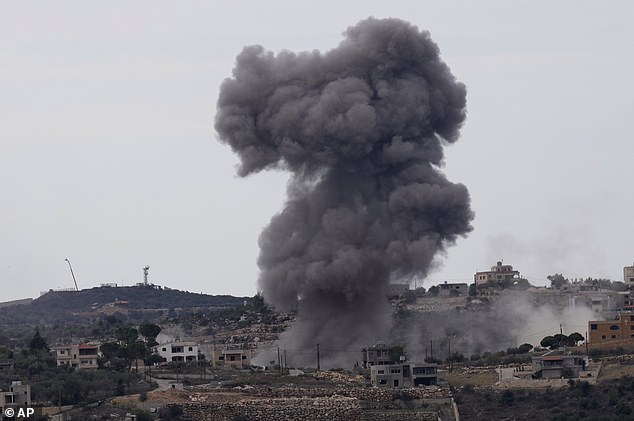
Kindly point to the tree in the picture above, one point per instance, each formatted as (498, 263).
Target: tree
(110, 350)
(574, 338)
(150, 331)
(127, 334)
(548, 342)
(37, 343)
(557, 280)
(524, 348)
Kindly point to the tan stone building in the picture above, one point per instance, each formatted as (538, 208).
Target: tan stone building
(77, 355)
(235, 357)
(619, 330)
(498, 273)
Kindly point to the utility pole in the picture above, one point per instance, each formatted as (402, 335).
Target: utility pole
(318, 365)
(285, 366)
(279, 360)
(449, 358)
(72, 273)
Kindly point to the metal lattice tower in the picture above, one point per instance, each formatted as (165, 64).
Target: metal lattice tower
(146, 272)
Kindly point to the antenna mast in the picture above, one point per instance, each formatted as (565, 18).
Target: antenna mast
(146, 271)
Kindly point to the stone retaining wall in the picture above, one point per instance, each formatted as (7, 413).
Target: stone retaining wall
(332, 408)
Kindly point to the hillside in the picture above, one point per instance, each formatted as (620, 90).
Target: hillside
(63, 306)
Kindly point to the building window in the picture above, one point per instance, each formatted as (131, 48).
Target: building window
(164, 349)
(613, 336)
(602, 336)
(593, 326)
(395, 371)
(380, 371)
(191, 349)
(614, 327)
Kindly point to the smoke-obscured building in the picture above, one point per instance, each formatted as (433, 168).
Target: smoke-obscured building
(378, 354)
(453, 290)
(498, 273)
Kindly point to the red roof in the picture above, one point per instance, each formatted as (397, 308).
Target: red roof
(87, 346)
(552, 358)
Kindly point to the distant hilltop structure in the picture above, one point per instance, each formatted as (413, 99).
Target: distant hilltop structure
(59, 290)
(498, 273)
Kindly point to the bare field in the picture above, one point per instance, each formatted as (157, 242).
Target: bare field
(463, 376)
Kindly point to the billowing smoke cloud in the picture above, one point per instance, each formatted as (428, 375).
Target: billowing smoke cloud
(510, 320)
(361, 128)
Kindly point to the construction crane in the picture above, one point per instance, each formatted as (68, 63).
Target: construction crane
(72, 273)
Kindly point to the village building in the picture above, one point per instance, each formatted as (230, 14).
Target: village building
(557, 364)
(453, 290)
(77, 355)
(618, 330)
(18, 396)
(178, 351)
(498, 273)
(232, 356)
(403, 374)
(378, 354)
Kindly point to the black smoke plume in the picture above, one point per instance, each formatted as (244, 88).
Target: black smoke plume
(361, 128)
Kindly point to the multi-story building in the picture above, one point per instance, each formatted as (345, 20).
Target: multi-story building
(178, 351)
(404, 374)
(77, 355)
(378, 354)
(498, 273)
(231, 356)
(619, 330)
(18, 396)
(628, 275)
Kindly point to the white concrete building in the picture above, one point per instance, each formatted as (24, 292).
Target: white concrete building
(178, 351)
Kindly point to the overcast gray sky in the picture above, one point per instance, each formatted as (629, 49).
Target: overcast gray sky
(108, 156)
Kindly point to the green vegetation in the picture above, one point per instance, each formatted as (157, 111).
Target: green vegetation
(557, 340)
(610, 400)
(36, 366)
